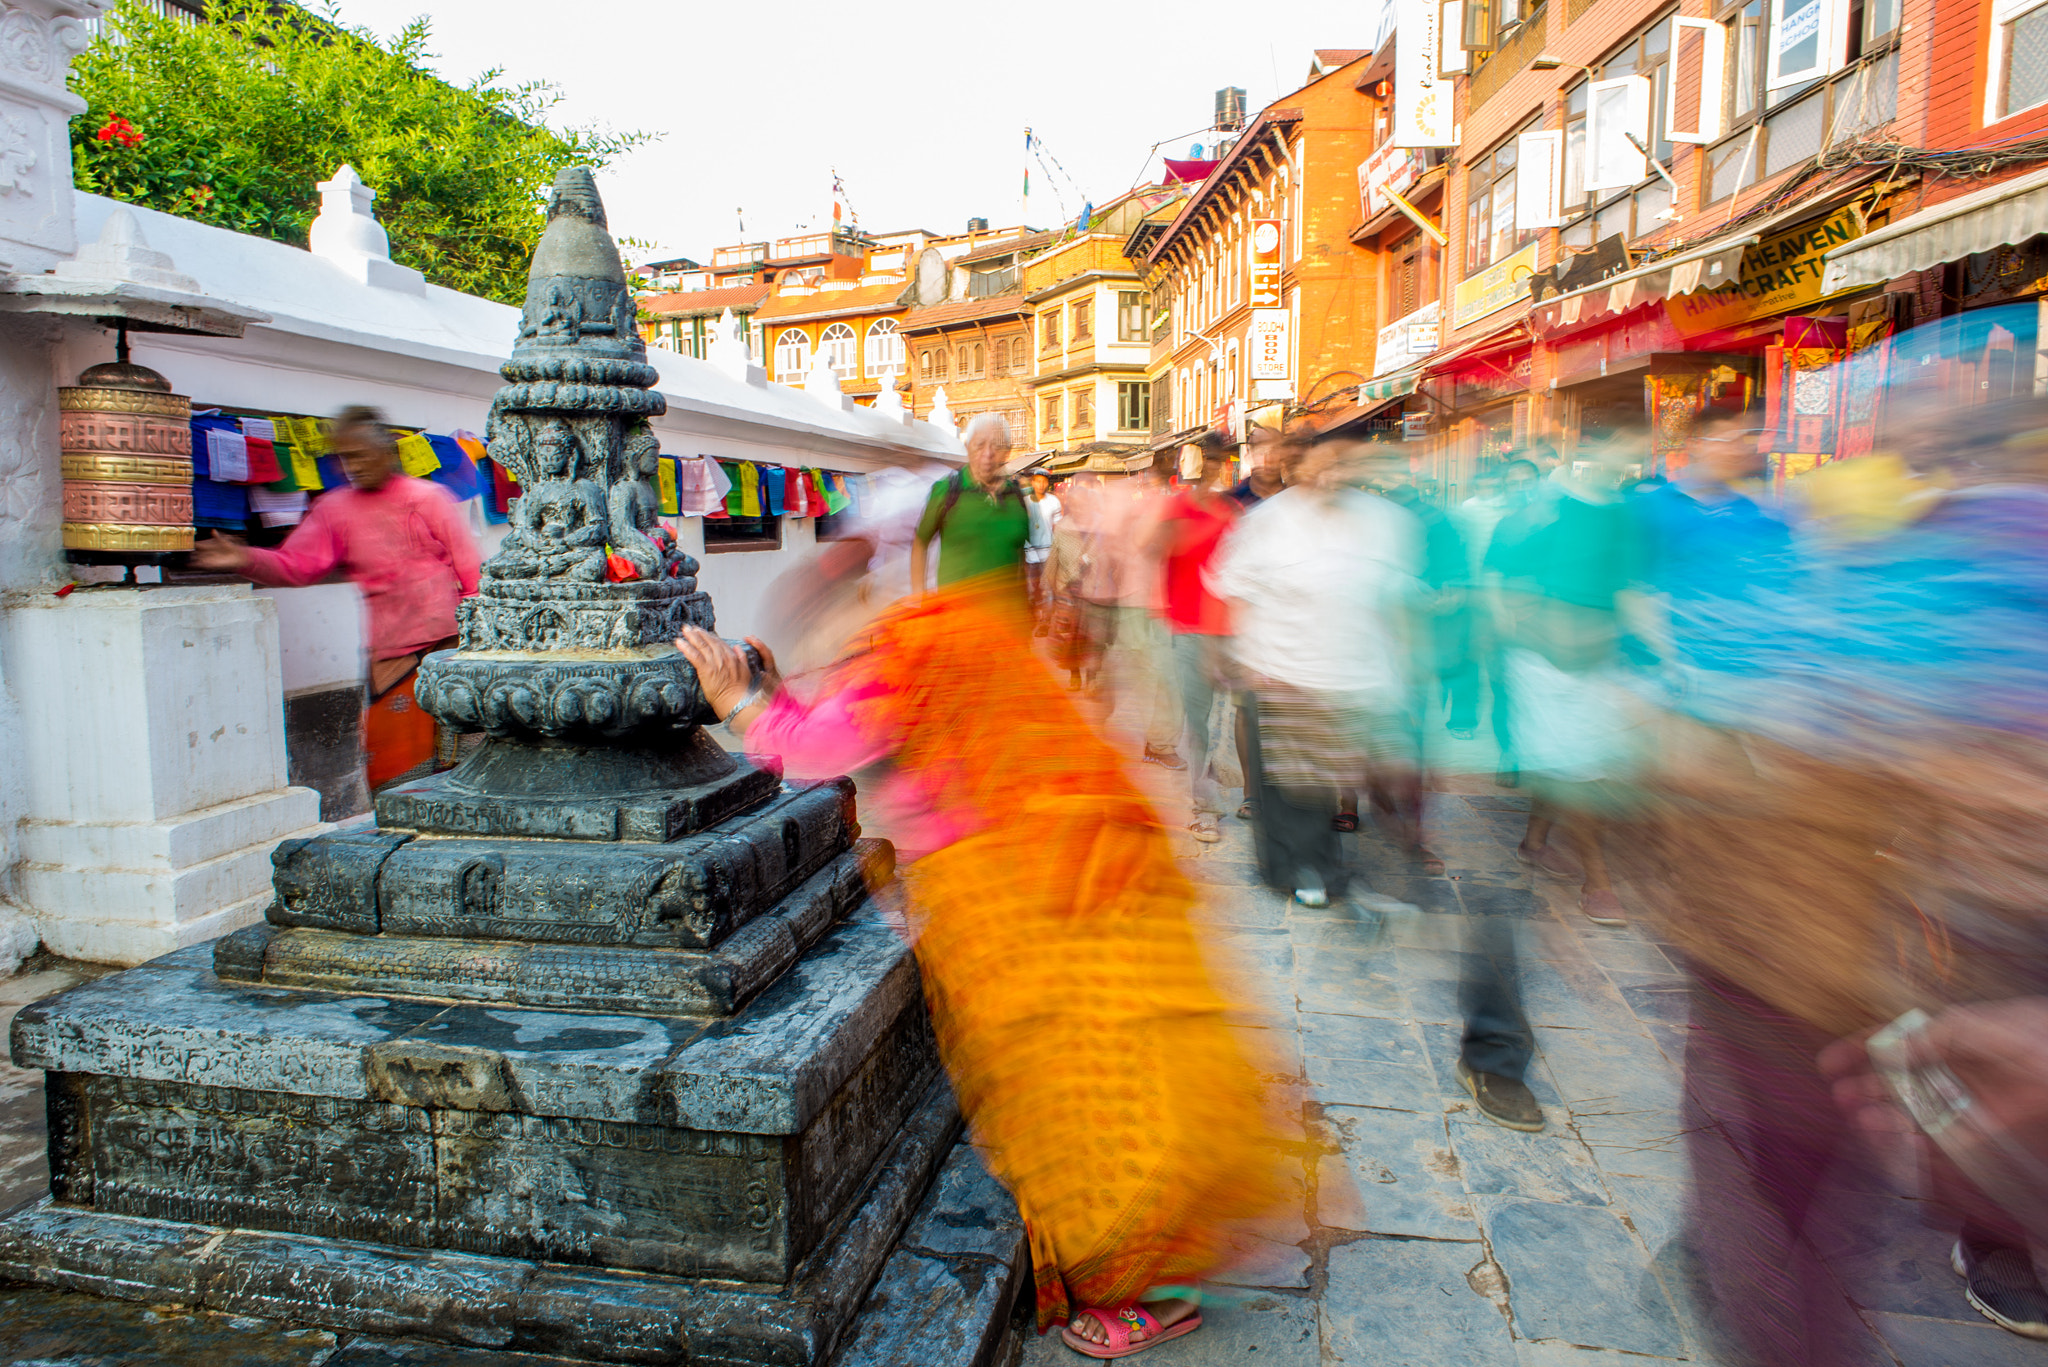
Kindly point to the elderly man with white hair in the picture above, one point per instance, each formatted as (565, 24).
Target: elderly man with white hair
(978, 516)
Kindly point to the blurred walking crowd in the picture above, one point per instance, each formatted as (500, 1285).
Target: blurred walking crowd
(1801, 730)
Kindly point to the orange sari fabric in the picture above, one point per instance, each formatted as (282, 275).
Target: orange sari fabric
(1074, 1011)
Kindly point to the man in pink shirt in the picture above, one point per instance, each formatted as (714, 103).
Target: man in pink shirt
(403, 542)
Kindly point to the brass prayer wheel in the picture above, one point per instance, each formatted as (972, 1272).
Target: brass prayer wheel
(126, 446)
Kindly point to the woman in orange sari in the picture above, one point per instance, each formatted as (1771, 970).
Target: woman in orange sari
(1073, 1010)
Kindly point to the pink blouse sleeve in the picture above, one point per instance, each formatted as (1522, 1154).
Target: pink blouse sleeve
(815, 740)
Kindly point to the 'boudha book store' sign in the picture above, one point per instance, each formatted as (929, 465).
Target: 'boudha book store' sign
(1780, 274)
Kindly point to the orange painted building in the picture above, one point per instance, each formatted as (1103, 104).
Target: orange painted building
(1294, 167)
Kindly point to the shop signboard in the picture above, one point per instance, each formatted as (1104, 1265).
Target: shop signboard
(1406, 340)
(1390, 168)
(1267, 340)
(1780, 275)
(1422, 95)
(1503, 283)
(1265, 263)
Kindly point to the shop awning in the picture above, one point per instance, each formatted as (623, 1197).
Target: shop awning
(1513, 335)
(1705, 267)
(1387, 388)
(2000, 216)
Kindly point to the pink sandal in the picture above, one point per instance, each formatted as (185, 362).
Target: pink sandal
(1118, 1324)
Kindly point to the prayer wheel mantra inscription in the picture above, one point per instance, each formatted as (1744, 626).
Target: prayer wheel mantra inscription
(127, 468)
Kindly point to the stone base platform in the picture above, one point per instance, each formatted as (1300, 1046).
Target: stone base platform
(718, 1149)
(560, 977)
(941, 1300)
(536, 1307)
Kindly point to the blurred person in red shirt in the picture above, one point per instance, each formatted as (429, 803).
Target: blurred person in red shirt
(1193, 525)
(403, 542)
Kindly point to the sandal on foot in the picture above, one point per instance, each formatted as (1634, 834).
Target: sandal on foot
(1346, 822)
(1205, 829)
(1432, 863)
(1118, 1324)
(1552, 862)
(1603, 908)
(1244, 811)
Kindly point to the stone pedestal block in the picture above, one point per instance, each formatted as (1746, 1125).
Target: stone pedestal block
(154, 774)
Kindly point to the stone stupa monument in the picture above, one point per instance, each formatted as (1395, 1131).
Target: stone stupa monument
(592, 1046)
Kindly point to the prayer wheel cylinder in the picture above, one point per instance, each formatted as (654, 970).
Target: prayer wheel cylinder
(126, 446)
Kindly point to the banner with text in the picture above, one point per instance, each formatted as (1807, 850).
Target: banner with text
(1422, 97)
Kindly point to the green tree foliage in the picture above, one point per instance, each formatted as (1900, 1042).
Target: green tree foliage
(233, 122)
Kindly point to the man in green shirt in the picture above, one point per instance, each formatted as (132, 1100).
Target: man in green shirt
(978, 516)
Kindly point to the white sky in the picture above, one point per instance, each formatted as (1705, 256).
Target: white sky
(921, 108)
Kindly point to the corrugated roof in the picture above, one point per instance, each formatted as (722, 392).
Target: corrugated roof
(1028, 242)
(800, 308)
(962, 311)
(689, 303)
(1334, 57)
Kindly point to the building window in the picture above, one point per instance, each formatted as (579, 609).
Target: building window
(980, 360)
(924, 364)
(1084, 412)
(1133, 406)
(1002, 356)
(1049, 330)
(941, 363)
(884, 348)
(2019, 58)
(1632, 211)
(1130, 316)
(1490, 234)
(1084, 319)
(792, 355)
(840, 353)
(742, 534)
(1049, 416)
(1771, 131)
(1020, 357)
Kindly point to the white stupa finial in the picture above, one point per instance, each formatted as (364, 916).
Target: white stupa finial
(889, 403)
(124, 254)
(348, 234)
(942, 412)
(821, 381)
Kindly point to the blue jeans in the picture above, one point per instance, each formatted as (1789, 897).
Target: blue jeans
(1496, 1033)
(1194, 659)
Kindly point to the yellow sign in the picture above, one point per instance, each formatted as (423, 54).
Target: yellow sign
(1503, 283)
(1780, 274)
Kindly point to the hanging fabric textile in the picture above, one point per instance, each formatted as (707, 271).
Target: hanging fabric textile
(729, 496)
(774, 487)
(275, 508)
(665, 493)
(836, 496)
(750, 490)
(260, 440)
(456, 472)
(227, 453)
(416, 455)
(816, 493)
(696, 491)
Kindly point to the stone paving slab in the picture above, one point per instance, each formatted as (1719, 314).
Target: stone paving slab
(1427, 1236)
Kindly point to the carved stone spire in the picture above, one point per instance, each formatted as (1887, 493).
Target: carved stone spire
(586, 567)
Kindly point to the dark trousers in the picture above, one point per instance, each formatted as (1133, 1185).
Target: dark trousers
(1496, 1034)
(1287, 837)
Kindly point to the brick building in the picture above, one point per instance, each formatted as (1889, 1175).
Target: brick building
(968, 335)
(1229, 340)
(1653, 207)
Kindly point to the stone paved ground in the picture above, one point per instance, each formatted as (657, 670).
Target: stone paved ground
(1446, 1241)
(1427, 1236)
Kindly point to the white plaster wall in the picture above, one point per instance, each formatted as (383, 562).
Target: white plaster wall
(320, 635)
(169, 700)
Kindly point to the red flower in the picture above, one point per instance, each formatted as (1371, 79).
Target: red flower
(119, 130)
